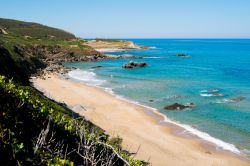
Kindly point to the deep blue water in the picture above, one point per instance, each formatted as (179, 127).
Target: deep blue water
(221, 64)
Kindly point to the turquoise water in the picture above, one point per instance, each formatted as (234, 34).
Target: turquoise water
(222, 65)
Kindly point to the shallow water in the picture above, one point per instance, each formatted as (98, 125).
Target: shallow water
(222, 66)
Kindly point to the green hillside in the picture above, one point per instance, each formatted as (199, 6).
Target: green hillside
(33, 29)
(23, 55)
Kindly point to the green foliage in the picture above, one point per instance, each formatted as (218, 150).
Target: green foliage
(22, 115)
(60, 162)
(115, 142)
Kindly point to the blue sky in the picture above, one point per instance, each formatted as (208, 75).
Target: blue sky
(137, 18)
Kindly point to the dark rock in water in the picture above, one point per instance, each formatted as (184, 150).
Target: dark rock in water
(181, 54)
(236, 99)
(177, 106)
(96, 67)
(131, 65)
(151, 100)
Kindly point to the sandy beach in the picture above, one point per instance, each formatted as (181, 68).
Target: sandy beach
(140, 132)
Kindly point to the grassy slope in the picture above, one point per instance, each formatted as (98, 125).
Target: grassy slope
(33, 29)
(25, 112)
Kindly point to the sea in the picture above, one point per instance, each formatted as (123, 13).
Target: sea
(214, 76)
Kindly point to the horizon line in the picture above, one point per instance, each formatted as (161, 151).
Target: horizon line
(89, 38)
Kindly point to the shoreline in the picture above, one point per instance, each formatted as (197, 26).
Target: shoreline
(178, 128)
(156, 119)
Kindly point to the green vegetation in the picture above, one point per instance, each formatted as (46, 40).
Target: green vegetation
(24, 55)
(33, 29)
(35, 130)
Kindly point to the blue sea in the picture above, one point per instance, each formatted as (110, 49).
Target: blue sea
(215, 76)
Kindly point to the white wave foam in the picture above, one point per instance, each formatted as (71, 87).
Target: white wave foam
(206, 137)
(85, 76)
(230, 100)
(210, 91)
(152, 47)
(153, 57)
(211, 94)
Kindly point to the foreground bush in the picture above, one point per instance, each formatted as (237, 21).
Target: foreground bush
(36, 131)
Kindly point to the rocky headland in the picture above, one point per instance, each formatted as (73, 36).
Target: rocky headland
(109, 45)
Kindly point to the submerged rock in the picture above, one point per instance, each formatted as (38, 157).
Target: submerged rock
(181, 54)
(131, 65)
(177, 106)
(96, 67)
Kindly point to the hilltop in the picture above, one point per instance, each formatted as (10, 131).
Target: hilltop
(34, 30)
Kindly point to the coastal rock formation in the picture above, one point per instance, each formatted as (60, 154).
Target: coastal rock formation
(181, 55)
(131, 65)
(57, 53)
(177, 106)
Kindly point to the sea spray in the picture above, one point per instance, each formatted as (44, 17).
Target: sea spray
(85, 76)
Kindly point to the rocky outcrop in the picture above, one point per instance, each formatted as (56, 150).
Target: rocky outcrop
(131, 65)
(177, 106)
(57, 53)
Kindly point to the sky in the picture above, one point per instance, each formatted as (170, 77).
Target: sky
(137, 18)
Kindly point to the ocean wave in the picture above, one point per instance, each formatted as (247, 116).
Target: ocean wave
(206, 137)
(154, 57)
(152, 47)
(211, 94)
(210, 91)
(230, 100)
(86, 76)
